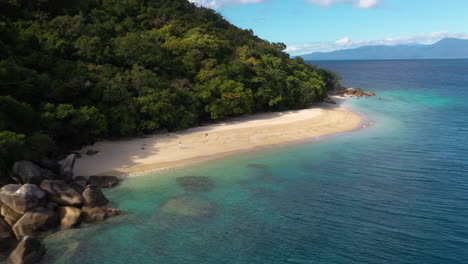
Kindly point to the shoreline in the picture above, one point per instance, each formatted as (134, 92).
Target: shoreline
(131, 157)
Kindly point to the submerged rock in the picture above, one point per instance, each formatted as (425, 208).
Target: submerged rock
(29, 251)
(263, 174)
(188, 207)
(257, 166)
(61, 193)
(101, 213)
(103, 181)
(196, 183)
(67, 251)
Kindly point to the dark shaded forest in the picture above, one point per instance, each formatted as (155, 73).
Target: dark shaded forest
(75, 71)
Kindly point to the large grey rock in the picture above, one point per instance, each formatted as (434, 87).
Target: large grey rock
(66, 169)
(103, 181)
(20, 199)
(10, 216)
(94, 197)
(37, 219)
(31, 190)
(28, 172)
(29, 251)
(69, 216)
(59, 192)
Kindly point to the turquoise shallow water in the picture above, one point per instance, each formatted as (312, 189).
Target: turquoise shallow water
(396, 192)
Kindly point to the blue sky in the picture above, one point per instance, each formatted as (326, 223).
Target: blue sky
(323, 25)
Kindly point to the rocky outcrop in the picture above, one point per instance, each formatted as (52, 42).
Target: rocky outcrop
(51, 165)
(78, 187)
(351, 92)
(28, 172)
(94, 214)
(66, 170)
(79, 183)
(51, 205)
(10, 216)
(69, 216)
(59, 192)
(29, 251)
(329, 100)
(37, 219)
(32, 191)
(5, 233)
(103, 181)
(20, 199)
(93, 197)
(42, 201)
(355, 91)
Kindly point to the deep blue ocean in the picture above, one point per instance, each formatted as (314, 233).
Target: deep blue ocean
(395, 192)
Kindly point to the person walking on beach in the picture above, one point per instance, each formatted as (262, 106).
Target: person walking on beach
(180, 145)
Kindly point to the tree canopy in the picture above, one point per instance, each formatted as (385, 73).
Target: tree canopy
(79, 70)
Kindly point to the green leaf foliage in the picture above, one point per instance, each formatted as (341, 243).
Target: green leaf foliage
(72, 72)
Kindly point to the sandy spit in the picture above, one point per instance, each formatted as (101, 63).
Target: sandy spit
(207, 142)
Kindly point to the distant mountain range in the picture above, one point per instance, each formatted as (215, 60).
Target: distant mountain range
(448, 48)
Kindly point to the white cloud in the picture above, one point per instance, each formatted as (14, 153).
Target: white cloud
(324, 3)
(220, 3)
(347, 43)
(343, 41)
(356, 3)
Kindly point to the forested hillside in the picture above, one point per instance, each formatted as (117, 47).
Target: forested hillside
(75, 71)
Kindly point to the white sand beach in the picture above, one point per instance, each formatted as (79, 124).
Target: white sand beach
(207, 142)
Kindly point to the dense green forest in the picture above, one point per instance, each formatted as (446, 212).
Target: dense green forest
(75, 71)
